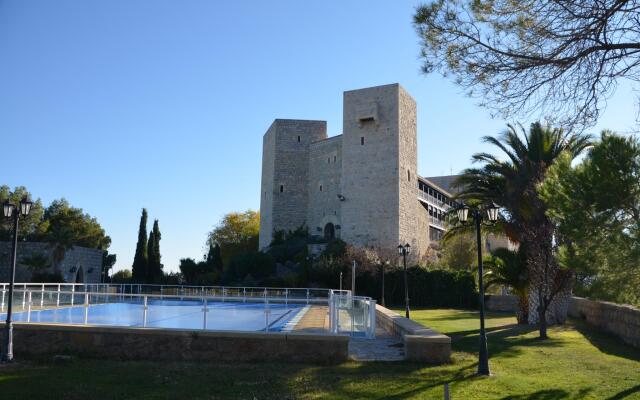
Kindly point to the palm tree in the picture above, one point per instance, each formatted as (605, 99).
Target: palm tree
(512, 183)
(509, 268)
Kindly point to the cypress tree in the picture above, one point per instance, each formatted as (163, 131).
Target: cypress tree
(155, 266)
(214, 260)
(140, 260)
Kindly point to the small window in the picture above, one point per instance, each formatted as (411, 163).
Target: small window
(281, 188)
(335, 158)
(298, 139)
(409, 175)
(321, 188)
(328, 160)
(361, 140)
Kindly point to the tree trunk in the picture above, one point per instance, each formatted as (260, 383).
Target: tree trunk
(542, 316)
(522, 314)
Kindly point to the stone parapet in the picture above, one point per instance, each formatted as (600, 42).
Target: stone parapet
(420, 343)
(116, 343)
(620, 320)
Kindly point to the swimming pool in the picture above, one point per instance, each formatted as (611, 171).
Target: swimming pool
(183, 314)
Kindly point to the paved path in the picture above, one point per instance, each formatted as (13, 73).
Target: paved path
(385, 347)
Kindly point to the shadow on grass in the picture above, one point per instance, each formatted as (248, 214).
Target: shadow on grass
(503, 340)
(406, 380)
(625, 393)
(551, 394)
(606, 342)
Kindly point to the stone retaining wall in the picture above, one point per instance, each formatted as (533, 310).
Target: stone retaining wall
(176, 344)
(622, 321)
(501, 302)
(420, 343)
(619, 320)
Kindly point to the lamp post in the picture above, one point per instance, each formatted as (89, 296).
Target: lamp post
(382, 266)
(9, 211)
(492, 216)
(353, 278)
(404, 250)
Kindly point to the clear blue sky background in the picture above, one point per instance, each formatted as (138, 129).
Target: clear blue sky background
(119, 105)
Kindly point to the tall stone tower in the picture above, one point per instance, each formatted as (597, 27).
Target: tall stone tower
(379, 168)
(285, 174)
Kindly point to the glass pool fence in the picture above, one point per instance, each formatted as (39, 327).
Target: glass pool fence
(188, 307)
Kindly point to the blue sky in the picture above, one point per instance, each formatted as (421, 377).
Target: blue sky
(119, 105)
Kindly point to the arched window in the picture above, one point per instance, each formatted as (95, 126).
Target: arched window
(281, 188)
(329, 231)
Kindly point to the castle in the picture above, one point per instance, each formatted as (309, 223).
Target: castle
(361, 186)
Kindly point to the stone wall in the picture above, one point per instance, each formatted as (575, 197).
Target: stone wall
(80, 263)
(325, 171)
(501, 303)
(622, 321)
(287, 144)
(420, 343)
(37, 340)
(370, 168)
(619, 320)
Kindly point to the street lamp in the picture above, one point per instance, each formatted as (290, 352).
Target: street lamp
(404, 250)
(9, 211)
(382, 266)
(478, 215)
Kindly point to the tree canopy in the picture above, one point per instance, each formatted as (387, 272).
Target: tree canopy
(236, 233)
(562, 58)
(596, 205)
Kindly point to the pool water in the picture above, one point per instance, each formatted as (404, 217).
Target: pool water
(235, 316)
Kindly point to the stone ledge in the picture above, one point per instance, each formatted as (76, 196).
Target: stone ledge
(123, 343)
(420, 343)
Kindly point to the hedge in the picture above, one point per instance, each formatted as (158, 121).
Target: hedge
(427, 288)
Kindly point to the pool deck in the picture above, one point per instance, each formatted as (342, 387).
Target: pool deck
(315, 320)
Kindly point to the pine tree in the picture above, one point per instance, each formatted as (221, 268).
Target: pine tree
(140, 260)
(154, 273)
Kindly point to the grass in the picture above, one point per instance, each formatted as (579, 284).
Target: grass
(576, 363)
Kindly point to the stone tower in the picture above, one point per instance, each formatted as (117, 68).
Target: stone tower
(285, 174)
(379, 169)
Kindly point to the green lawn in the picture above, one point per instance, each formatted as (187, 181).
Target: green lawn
(576, 363)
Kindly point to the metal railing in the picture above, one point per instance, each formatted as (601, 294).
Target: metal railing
(433, 200)
(353, 315)
(309, 294)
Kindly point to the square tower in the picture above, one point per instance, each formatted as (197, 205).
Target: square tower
(379, 168)
(285, 174)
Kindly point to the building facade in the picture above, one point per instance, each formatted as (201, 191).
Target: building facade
(361, 186)
(79, 265)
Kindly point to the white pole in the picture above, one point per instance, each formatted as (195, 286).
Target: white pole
(29, 308)
(144, 313)
(73, 291)
(2, 306)
(58, 297)
(353, 278)
(266, 315)
(86, 308)
(42, 296)
(204, 317)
